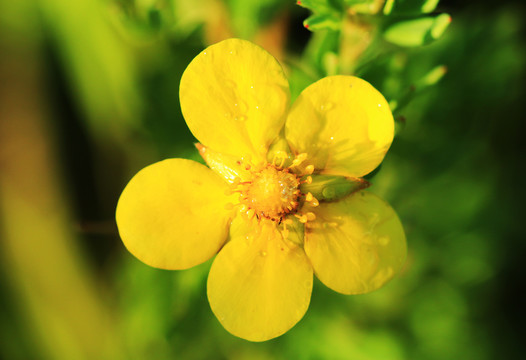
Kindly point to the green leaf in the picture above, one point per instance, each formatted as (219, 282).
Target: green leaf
(409, 7)
(417, 32)
(321, 6)
(322, 21)
(364, 6)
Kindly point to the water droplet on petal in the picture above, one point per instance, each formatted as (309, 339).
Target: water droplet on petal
(240, 118)
(384, 240)
(327, 106)
(263, 253)
(379, 105)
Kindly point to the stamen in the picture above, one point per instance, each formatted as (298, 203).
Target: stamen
(272, 192)
(302, 218)
(308, 180)
(310, 216)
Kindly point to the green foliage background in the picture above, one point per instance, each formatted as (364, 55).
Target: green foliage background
(89, 96)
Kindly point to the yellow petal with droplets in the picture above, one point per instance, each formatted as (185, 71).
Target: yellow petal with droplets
(259, 285)
(172, 214)
(344, 125)
(234, 97)
(356, 244)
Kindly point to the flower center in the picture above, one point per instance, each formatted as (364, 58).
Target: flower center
(272, 193)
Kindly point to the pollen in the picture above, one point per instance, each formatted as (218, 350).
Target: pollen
(272, 192)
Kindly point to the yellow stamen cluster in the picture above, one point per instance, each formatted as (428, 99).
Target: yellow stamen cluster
(273, 192)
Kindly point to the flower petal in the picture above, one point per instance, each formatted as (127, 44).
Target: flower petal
(226, 166)
(172, 214)
(357, 244)
(234, 97)
(259, 285)
(343, 124)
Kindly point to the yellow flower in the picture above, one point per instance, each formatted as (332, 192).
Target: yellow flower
(282, 196)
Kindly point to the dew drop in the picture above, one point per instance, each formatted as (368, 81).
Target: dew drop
(326, 106)
(263, 253)
(257, 107)
(373, 220)
(384, 240)
(240, 118)
(204, 52)
(332, 138)
(252, 86)
(379, 105)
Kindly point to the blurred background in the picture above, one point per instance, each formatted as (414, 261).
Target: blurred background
(89, 96)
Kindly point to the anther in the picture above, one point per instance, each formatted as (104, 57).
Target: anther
(309, 169)
(310, 216)
(308, 180)
(314, 202)
(302, 218)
